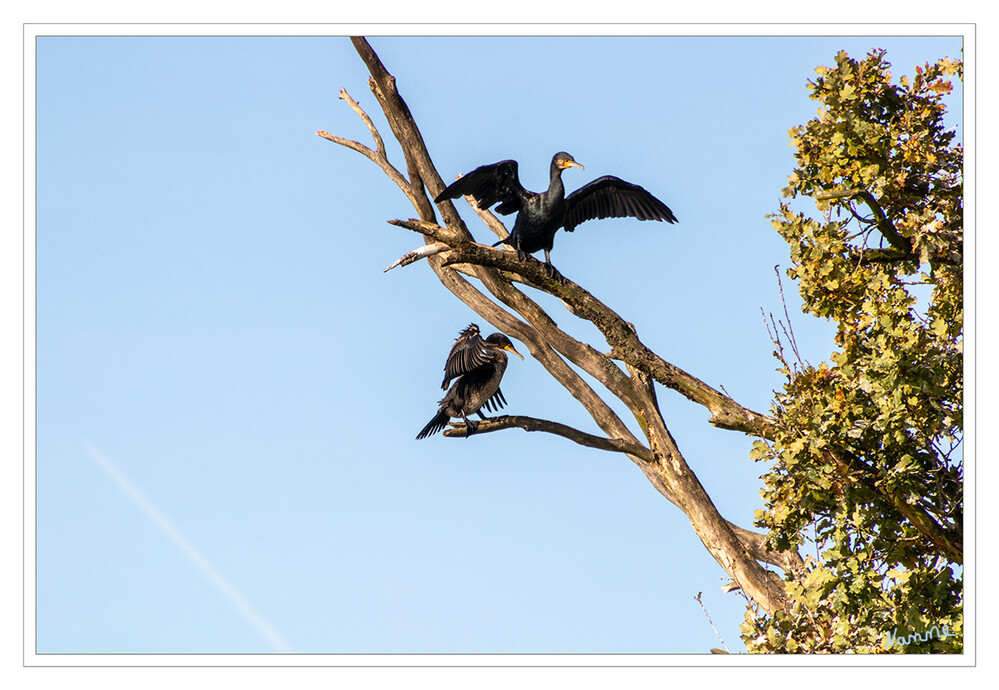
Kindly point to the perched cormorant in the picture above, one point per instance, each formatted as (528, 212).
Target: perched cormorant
(539, 216)
(478, 366)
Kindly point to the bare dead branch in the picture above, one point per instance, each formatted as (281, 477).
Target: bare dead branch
(533, 424)
(417, 254)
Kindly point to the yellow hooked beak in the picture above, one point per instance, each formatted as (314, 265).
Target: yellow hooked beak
(510, 348)
(572, 164)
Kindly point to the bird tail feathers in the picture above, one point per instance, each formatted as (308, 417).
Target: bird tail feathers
(434, 425)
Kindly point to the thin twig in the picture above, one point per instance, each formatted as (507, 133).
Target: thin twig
(711, 623)
(789, 331)
(775, 339)
(367, 121)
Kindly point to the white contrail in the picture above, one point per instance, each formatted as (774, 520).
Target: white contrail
(189, 550)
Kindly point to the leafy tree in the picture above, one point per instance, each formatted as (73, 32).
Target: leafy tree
(863, 452)
(866, 458)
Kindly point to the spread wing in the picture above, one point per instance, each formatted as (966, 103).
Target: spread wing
(488, 185)
(612, 197)
(467, 354)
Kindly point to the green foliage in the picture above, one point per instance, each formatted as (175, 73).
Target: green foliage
(866, 466)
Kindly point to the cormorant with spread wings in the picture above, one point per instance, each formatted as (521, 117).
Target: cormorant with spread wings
(539, 216)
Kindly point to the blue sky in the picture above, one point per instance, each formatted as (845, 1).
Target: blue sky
(228, 386)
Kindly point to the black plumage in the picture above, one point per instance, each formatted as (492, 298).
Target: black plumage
(478, 365)
(539, 216)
